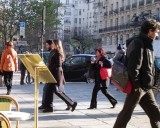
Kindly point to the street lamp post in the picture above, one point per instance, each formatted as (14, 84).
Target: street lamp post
(43, 27)
(117, 30)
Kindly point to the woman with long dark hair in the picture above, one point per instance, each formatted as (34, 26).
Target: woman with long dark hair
(55, 60)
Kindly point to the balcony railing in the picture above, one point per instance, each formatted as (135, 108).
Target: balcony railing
(115, 28)
(148, 1)
(134, 5)
(128, 7)
(67, 13)
(156, 0)
(67, 22)
(115, 11)
(141, 3)
(106, 14)
(122, 9)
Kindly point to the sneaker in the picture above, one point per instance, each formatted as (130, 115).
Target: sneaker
(8, 92)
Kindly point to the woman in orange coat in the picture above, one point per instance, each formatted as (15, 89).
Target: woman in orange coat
(9, 64)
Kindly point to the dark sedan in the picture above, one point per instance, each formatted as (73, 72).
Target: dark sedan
(76, 66)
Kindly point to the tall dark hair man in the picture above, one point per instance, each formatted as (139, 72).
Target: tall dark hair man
(141, 72)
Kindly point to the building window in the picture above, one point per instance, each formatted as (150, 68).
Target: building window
(67, 11)
(122, 20)
(111, 22)
(80, 32)
(117, 5)
(80, 12)
(127, 36)
(76, 12)
(79, 20)
(67, 20)
(110, 40)
(76, 2)
(128, 18)
(111, 7)
(122, 3)
(105, 24)
(67, 2)
(128, 2)
(75, 20)
(67, 29)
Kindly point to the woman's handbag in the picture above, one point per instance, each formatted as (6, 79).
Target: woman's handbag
(105, 73)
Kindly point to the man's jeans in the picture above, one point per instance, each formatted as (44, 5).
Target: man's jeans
(147, 102)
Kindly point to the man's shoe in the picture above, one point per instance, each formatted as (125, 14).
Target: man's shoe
(74, 106)
(41, 107)
(48, 110)
(22, 83)
(92, 108)
(114, 104)
(8, 92)
(68, 108)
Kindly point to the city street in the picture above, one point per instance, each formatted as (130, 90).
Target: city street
(102, 117)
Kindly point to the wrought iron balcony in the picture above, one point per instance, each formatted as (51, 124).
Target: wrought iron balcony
(128, 7)
(148, 1)
(115, 28)
(115, 11)
(121, 9)
(156, 0)
(106, 14)
(141, 3)
(67, 22)
(134, 5)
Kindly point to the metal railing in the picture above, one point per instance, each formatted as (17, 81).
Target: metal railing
(121, 9)
(148, 1)
(114, 28)
(105, 13)
(128, 7)
(141, 3)
(156, 0)
(134, 5)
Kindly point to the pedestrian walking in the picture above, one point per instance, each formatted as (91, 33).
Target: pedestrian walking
(101, 61)
(55, 60)
(23, 72)
(141, 73)
(9, 64)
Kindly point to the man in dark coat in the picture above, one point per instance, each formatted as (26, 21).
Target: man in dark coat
(23, 72)
(55, 66)
(141, 73)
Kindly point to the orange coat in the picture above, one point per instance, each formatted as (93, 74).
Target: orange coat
(9, 61)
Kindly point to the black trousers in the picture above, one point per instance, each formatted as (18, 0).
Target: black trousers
(8, 77)
(101, 86)
(48, 93)
(147, 102)
(23, 72)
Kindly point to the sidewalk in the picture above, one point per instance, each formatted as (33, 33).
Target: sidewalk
(102, 117)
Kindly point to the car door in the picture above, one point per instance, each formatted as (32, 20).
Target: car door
(74, 68)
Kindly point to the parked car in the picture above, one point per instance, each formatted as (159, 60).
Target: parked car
(45, 56)
(76, 66)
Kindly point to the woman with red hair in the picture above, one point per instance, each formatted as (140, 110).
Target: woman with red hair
(100, 84)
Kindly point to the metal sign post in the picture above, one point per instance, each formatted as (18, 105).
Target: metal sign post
(22, 29)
